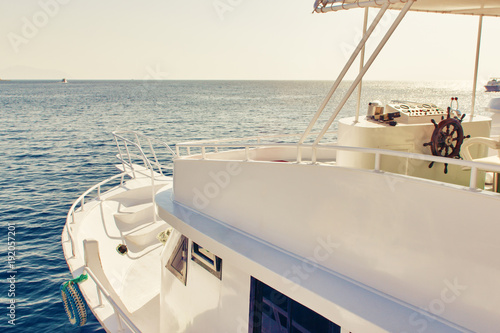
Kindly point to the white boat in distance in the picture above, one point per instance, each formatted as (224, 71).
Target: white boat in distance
(493, 85)
(386, 229)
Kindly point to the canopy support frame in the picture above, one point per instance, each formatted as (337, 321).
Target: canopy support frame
(368, 64)
(339, 79)
(476, 66)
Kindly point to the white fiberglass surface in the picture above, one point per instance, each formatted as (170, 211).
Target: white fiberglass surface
(393, 232)
(135, 276)
(135, 280)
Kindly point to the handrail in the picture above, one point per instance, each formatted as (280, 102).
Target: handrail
(189, 144)
(147, 162)
(258, 138)
(137, 144)
(149, 165)
(81, 201)
(137, 134)
(474, 166)
(115, 306)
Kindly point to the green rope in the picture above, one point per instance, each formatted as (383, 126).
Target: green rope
(76, 280)
(79, 279)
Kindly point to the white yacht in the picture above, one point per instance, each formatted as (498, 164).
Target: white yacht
(392, 227)
(493, 85)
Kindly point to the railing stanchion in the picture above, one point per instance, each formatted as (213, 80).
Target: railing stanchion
(156, 158)
(377, 161)
(129, 160)
(70, 238)
(99, 297)
(137, 139)
(120, 152)
(473, 178)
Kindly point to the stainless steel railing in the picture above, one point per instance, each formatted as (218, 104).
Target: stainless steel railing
(378, 153)
(127, 157)
(80, 202)
(144, 151)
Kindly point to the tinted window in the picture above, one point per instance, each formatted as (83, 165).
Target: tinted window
(271, 311)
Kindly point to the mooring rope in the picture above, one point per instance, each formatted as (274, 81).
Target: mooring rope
(74, 304)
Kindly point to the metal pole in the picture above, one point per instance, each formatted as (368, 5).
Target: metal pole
(370, 61)
(361, 64)
(474, 84)
(348, 65)
(119, 151)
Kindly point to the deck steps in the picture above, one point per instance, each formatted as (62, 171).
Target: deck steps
(144, 235)
(135, 218)
(136, 196)
(127, 218)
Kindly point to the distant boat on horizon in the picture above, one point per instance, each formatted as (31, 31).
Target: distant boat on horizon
(493, 85)
(64, 81)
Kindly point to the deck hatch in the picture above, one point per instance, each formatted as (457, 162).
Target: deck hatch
(207, 260)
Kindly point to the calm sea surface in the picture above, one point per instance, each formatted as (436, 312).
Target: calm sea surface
(55, 142)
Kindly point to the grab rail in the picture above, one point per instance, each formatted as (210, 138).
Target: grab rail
(474, 166)
(148, 163)
(81, 201)
(259, 139)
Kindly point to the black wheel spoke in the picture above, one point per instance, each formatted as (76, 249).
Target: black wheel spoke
(445, 150)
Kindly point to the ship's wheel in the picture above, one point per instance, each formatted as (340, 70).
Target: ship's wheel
(447, 138)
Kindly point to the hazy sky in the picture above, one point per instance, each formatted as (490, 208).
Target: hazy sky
(227, 39)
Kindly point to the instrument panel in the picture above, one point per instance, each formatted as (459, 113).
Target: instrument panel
(415, 113)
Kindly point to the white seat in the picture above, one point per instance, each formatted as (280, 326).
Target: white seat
(491, 143)
(494, 159)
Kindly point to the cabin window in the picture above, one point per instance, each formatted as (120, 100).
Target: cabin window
(177, 264)
(271, 311)
(207, 260)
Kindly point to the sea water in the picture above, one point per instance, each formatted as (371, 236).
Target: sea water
(55, 142)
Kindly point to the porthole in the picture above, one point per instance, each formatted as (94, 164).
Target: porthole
(207, 260)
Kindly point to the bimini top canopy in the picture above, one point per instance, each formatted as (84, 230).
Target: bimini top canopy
(467, 7)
